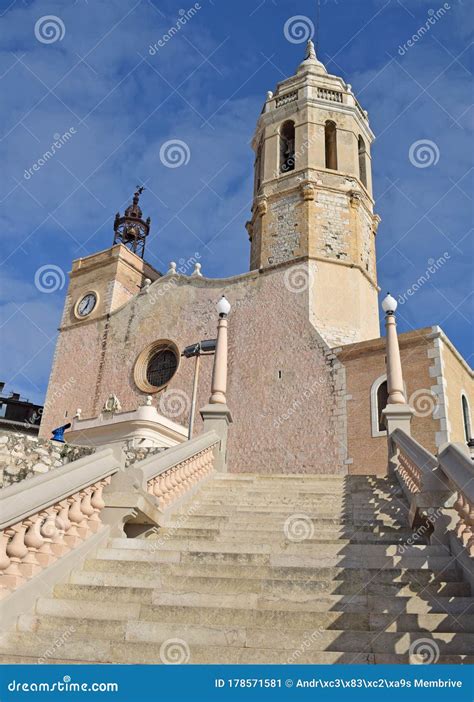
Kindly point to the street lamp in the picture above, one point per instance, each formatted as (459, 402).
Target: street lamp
(396, 394)
(219, 371)
(206, 347)
(223, 307)
(389, 304)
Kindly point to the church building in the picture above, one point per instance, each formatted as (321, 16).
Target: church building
(306, 373)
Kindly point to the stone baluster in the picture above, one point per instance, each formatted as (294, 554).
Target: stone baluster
(4, 558)
(17, 551)
(79, 523)
(34, 540)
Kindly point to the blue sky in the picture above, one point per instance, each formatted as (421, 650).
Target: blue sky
(92, 74)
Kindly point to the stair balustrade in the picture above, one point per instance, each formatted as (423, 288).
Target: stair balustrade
(175, 473)
(57, 513)
(439, 490)
(458, 468)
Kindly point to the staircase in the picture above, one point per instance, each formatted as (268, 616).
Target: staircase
(262, 569)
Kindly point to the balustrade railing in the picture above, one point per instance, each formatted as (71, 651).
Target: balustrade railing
(175, 473)
(331, 95)
(458, 468)
(53, 516)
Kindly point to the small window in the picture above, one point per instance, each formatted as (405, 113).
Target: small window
(362, 162)
(259, 167)
(287, 147)
(161, 367)
(466, 416)
(382, 398)
(330, 141)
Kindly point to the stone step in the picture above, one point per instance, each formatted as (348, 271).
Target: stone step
(139, 653)
(422, 576)
(254, 637)
(361, 600)
(255, 519)
(278, 535)
(270, 526)
(102, 584)
(96, 619)
(256, 555)
(302, 548)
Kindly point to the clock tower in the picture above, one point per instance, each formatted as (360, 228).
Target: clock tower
(104, 281)
(313, 198)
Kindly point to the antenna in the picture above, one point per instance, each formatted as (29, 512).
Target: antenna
(318, 14)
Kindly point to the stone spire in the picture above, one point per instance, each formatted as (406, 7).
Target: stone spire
(311, 60)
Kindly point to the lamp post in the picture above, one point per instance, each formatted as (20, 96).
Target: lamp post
(397, 413)
(219, 371)
(396, 395)
(216, 415)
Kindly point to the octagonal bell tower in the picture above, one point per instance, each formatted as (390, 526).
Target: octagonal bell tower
(313, 198)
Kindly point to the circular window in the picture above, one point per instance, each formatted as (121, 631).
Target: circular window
(156, 365)
(161, 367)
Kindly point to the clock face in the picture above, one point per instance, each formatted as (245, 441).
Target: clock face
(87, 304)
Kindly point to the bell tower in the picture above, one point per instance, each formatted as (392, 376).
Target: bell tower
(313, 198)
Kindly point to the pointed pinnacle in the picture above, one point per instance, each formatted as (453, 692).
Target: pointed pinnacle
(310, 50)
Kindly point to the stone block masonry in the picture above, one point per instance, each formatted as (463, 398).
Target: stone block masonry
(23, 456)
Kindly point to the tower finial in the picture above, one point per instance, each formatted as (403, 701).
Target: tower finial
(310, 50)
(131, 229)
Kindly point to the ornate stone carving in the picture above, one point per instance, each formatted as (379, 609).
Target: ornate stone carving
(112, 404)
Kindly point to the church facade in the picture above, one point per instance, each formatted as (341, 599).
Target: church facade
(307, 381)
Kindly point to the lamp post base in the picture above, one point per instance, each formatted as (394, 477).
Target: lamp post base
(217, 417)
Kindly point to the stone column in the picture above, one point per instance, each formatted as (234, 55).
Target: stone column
(219, 371)
(397, 413)
(216, 415)
(396, 394)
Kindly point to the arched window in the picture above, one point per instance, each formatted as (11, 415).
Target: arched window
(466, 416)
(287, 147)
(259, 167)
(382, 397)
(330, 141)
(362, 162)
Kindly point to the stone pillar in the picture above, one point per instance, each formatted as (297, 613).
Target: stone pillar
(397, 413)
(396, 395)
(219, 371)
(216, 415)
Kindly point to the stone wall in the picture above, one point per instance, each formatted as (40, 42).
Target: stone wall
(23, 456)
(283, 384)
